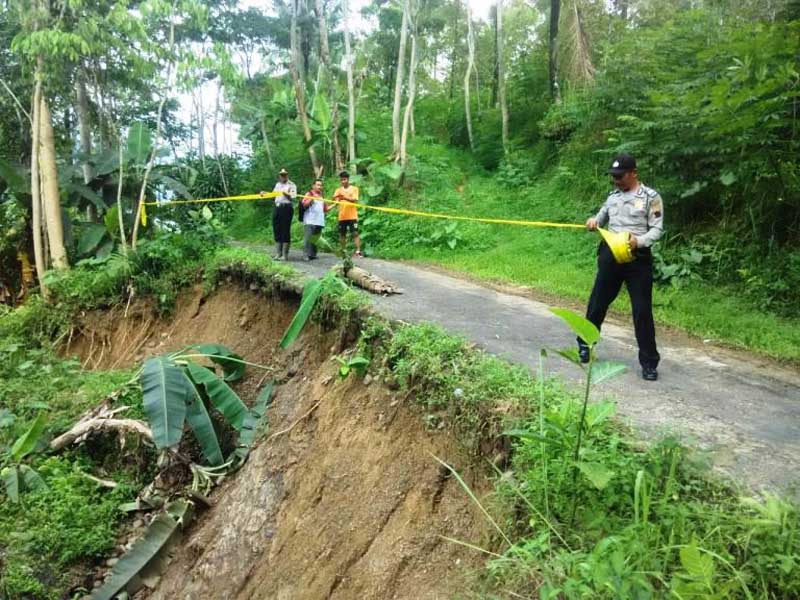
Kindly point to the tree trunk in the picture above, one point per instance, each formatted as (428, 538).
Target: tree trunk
(467, 74)
(555, 11)
(215, 123)
(325, 54)
(85, 133)
(351, 104)
(36, 199)
(496, 74)
(50, 196)
(120, 212)
(201, 128)
(622, 8)
(157, 139)
(501, 74)
(412, 72)
(452, 72)
(295, 67)
(84, 124)
(398, 82)
(582, 69)
(266, 144)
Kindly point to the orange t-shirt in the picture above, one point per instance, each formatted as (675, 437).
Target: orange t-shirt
(347, 212)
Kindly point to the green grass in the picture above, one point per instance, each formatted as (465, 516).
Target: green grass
(650, 522)
(50, 533)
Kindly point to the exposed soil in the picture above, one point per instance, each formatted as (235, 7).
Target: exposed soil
(341, 499)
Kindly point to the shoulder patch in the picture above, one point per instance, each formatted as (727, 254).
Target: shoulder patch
(649, 192)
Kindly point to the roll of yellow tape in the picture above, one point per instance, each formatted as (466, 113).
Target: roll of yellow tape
(619, 244)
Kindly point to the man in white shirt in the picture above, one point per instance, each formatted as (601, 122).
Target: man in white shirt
(314, 210)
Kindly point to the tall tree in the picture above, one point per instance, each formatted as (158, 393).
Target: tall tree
(84, 123)
(468, 74)
(580, 68)
(413, 8)
(325, 55)
(555, 12)
(51, 199)
(398, 82)
(495, 71)
(36, 197)
(298, 77)
(501, 73)
(171, 59)
(351, 103)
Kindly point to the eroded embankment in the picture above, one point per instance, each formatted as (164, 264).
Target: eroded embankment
(341, 499)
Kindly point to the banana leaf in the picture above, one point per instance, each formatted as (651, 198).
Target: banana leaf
(26, 443)
(221, 396)
(32, 480)
(220, 355)
(252, 424)
(164, 399)
(10, 477)
(200, 422)
(311, 293)
(144, 550)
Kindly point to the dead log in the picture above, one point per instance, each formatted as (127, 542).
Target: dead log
(83, 429)
(370, 282)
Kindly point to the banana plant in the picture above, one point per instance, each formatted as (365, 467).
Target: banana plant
(178, 390)
(15, 474)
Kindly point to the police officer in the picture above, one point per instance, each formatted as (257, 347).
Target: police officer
(639, 210)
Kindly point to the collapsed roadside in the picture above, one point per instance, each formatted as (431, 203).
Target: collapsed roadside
(621, 521)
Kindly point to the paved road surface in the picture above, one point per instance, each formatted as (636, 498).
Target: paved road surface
(744, 411)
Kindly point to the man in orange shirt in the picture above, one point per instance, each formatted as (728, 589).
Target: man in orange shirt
(348, 214)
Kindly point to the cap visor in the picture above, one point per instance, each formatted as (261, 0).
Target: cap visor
(617, 171)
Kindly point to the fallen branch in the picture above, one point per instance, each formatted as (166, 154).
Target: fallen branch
(82, 430)
(370, 282)
(293, 425)
(106, 483)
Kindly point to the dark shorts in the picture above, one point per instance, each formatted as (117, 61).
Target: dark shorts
(351, 226)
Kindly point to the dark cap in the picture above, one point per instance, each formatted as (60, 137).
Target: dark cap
(344, 174)
(283, 172)
(622, 163)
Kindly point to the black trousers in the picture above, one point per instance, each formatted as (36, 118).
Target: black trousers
(282, 223)
(638, 278)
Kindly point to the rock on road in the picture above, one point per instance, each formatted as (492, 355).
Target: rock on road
(744, 411)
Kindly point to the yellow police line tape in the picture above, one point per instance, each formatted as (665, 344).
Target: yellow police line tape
(386, 209)
(618, 242)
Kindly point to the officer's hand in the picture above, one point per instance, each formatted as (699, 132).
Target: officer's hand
(591, 224)
(632, 242)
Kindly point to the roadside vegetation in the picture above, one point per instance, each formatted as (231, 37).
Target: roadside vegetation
(513, 115)
(619, 519)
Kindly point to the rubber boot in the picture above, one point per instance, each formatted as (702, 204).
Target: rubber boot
(286, 251)
(278, 251)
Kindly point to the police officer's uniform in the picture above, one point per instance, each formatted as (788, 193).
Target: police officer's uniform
(641, 213)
